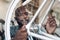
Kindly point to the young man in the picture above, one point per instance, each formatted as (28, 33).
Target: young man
(21, 17)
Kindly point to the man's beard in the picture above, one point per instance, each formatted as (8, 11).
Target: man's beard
(21, 23)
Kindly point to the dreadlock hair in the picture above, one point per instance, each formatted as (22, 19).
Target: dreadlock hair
(19, 11)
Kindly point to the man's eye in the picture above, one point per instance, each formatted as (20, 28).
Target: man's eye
(26, 13)
(21, 20)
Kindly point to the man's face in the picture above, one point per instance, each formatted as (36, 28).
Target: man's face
(23, 18)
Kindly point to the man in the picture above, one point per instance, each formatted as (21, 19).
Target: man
(21, 17)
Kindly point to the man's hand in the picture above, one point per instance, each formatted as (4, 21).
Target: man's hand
(21, 34)
(51, 24)
(23, 29)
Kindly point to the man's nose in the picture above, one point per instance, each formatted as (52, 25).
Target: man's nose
(25, 16)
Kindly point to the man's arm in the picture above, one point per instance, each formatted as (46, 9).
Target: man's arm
(21, 34)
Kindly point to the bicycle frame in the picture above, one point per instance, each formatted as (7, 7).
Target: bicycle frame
(36, 35)
(8, 19)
